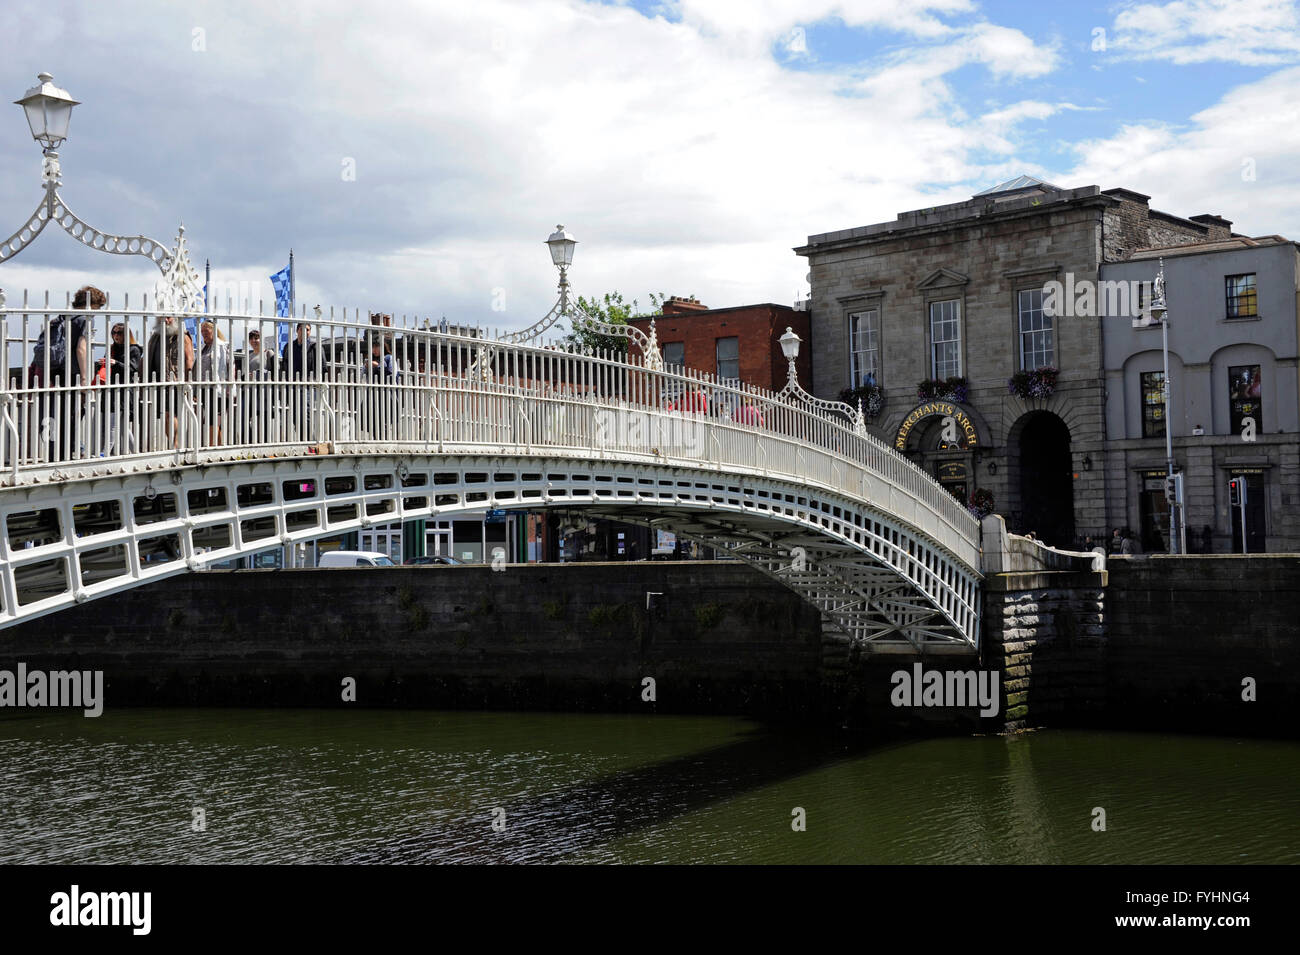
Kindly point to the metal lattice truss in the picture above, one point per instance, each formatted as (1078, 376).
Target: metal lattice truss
(875, 579)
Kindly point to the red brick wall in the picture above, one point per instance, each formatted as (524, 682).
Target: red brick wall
(759, 328)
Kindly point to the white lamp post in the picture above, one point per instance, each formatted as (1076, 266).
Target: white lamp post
(790, 342)
(561, 244)
(790, 349)
(48, 109)
(1160, 312)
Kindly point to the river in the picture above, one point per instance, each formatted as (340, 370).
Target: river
(423, 786)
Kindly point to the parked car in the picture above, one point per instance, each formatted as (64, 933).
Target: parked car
(354, 558)
(434, 559)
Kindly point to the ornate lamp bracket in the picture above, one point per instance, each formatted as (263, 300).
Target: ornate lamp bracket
(793, 392)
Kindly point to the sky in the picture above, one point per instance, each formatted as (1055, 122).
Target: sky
(415, 156)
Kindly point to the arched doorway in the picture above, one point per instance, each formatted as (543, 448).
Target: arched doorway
(942, 452)
(1046, 483)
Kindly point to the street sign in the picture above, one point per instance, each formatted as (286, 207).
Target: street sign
(495, 516)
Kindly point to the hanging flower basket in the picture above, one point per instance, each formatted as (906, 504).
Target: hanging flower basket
(981, 503)
(1039, 383)
(939, 389)
(871, 396)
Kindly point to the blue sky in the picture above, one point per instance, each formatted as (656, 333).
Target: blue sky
(689, 144)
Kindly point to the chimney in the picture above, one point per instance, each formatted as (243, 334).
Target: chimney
(1220, 228)
(679, 305)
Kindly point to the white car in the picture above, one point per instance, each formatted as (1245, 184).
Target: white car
(354, 558)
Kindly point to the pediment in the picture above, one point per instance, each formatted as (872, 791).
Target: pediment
(943, 278)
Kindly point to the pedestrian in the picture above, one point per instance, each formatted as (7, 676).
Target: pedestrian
(1127, 545)
(298, 363)
(259, 362)
(748, 413)
(169, 357)
(1116, 540)
(61, 357)
(1207, 539)
(123, 368)
(214, 370)
(260, 367)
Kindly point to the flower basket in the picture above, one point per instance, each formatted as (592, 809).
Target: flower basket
(871, 396)
(1039, 383)
(981, 503)
(939, 389)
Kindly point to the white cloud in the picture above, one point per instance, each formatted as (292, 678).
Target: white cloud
(1250, 32)
(1197, 168)
(684, 156)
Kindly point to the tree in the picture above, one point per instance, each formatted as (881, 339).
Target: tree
(613, 310)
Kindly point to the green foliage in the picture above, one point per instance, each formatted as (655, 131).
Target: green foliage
(606, 616)
(553, 609)
(615, 311)
(709, 615)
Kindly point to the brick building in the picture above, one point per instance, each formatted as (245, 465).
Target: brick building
(955, 293)
(741, 342)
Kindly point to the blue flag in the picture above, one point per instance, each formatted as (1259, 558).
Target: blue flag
(282, 281)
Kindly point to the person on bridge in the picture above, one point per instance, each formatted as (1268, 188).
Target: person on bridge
(259, 362)
(61, 358)
(214, 367)
(693, 402)
(169, 357)
(748, 413)
(123, 362)
(298, 360)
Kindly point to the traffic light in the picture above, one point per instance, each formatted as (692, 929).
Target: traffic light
(1171, 489)
(1234, 492)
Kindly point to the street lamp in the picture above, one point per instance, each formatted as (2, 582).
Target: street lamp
(790, 348)
(48, 109)
(790, 342)
(1160, 313)
(561, 244)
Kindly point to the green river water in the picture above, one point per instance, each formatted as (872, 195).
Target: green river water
(421, 786)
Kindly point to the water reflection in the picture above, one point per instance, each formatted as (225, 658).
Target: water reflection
(384, 786)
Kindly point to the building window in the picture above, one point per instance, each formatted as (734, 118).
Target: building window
(728, 358)
(945, 340)
(1244, 398)
(864, 348)
(674, 354)
(1153, 404)
(1240, 290)
(1037, 337)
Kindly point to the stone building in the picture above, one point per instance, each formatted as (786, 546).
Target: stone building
(1234, 402)
(955, 293)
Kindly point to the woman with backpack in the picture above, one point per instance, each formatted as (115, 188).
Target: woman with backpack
(62, 357)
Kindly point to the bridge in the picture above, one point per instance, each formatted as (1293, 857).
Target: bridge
(111, 484)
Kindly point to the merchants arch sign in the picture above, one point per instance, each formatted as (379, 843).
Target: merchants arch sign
(965, 426)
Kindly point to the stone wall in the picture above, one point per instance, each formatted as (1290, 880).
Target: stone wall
(1045, 632)
(577, 636)
(1184, 632)
(1147, 643)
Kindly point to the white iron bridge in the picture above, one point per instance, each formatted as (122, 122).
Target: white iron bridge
(159, 470)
